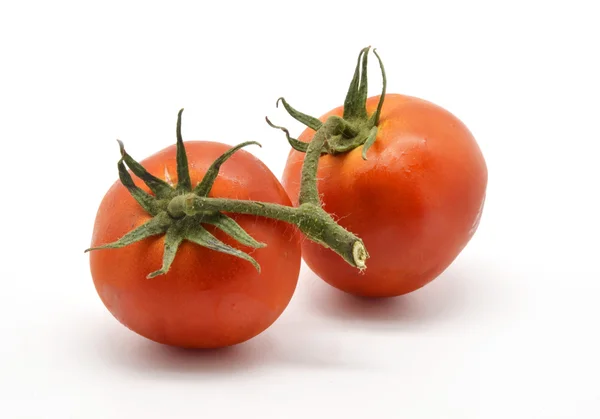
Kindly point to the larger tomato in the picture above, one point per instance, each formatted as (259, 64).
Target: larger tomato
(207, 299)
(415, 202)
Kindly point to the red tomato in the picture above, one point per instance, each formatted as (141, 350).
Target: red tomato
(207, 299)
(415, 202)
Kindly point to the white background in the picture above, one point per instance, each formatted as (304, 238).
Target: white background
(509, 330)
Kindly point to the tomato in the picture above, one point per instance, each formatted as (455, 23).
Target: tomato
(416, 201)
(207, 299)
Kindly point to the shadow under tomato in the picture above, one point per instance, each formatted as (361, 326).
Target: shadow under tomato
(146, 357)
(449, 296)
(281, 346)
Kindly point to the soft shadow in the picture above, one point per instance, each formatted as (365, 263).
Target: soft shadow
(142, 356)
(282, 345)
(448, 297)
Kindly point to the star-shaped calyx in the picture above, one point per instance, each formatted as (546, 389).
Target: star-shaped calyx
(355, 128)
(176, 225)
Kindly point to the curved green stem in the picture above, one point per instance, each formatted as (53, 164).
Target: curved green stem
(311, 219)
(308, 185)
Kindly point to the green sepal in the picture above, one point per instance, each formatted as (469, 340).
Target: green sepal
(159, 187)
(230, 227)
(309, 121)
(355, 102)
(173, 239)
(296, 144)
(202, 237)
(204, 187)
(147, 201)
(184, 182)
(370, 140)
(374, 120)
(155, 226)
(363, 88)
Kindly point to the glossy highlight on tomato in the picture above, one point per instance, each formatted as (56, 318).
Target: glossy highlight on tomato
(415, 202)
(207, 299)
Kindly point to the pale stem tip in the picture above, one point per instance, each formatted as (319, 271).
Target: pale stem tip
(359, 254)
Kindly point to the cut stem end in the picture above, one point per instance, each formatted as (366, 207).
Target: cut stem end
(360, 255)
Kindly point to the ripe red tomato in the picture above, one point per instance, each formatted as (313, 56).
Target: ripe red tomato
(415, 202)
(207, 299)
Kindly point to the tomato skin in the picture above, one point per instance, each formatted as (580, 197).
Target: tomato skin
(416, 201)
(207, 299)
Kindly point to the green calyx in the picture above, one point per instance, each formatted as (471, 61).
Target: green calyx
(179, 227)
(181, 212)
(356, 128)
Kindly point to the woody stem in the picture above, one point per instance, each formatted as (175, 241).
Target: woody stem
(308, 185)
(311, 219)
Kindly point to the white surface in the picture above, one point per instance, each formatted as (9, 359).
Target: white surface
(510, 330)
